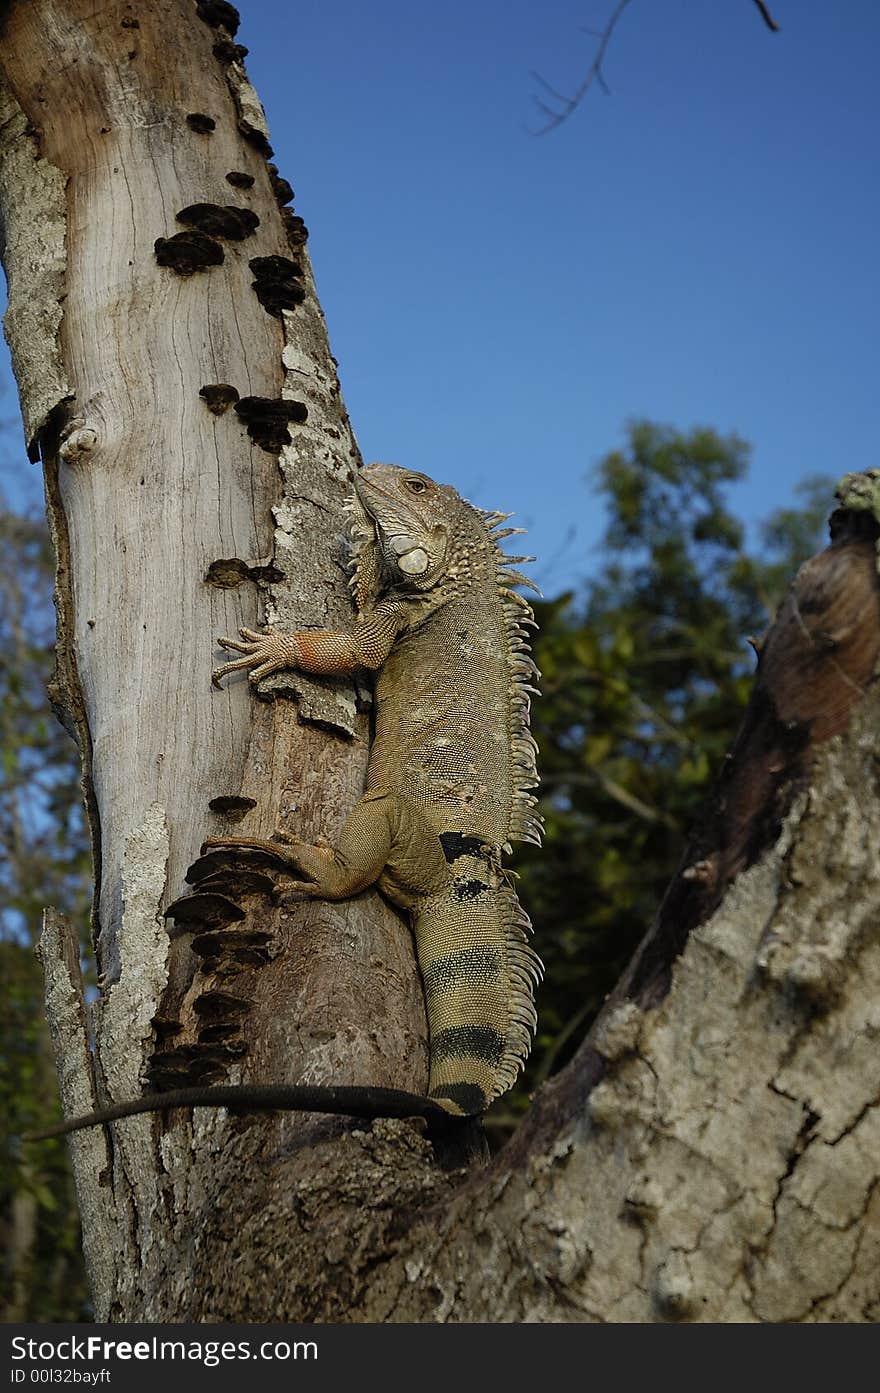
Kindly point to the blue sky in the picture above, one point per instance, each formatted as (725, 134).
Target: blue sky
(698, 247)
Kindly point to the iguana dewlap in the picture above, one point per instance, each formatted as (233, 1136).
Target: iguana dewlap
(451, 769)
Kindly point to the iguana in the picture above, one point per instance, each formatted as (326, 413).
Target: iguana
(451, 768)
(449, 782)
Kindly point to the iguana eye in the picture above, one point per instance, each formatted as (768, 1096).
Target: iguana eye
(416, 485)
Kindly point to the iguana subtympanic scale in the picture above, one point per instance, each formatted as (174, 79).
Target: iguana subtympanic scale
(452, 764)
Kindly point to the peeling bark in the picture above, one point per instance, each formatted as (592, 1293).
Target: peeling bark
(712, 1152)
(33, 228)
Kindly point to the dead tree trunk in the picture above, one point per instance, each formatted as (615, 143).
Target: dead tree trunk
(168, 344)
(711, 1153)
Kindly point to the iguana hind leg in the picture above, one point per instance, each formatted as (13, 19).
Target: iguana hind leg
(386, 841)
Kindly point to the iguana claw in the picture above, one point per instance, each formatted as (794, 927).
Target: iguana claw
(264, 653)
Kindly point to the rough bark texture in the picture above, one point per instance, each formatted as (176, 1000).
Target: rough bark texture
(712, 1152)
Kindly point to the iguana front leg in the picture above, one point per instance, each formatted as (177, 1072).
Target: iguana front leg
(326, 652)
(385, 840)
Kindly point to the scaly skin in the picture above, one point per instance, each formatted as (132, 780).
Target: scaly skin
(451, 766)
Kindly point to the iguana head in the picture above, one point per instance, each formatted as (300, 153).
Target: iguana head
(406, 520)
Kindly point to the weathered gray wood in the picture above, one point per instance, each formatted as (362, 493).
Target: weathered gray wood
(727, 1166)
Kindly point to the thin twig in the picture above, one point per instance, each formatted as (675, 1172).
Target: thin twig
(569, 104)
(767, 17)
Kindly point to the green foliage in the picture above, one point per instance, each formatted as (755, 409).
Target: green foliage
(43, 854)
(645, 678)
(42, 1272)
(43, 860)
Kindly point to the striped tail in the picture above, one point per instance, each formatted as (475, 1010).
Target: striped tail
(479, 974)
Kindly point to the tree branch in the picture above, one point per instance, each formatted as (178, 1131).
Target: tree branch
(594, 74)
(566, 105)
(767, 17)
